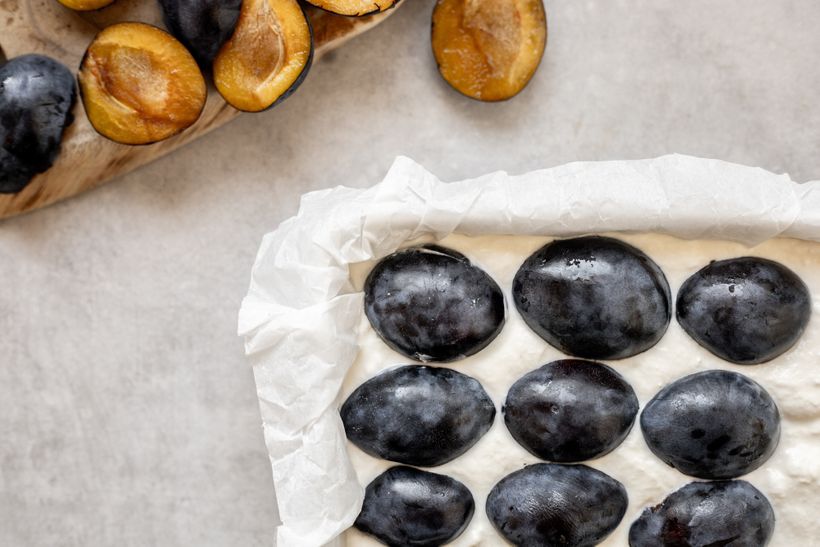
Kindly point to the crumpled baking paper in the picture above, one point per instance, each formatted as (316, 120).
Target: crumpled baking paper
(300, 316)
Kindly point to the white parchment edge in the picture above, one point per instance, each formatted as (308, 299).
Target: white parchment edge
(300, 316)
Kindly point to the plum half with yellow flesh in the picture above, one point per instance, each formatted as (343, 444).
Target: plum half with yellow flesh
(85, 5)
(488, 49)
(267, 57)
(140, 85)
(355, 8)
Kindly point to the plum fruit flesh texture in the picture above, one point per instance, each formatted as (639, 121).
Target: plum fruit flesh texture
(418, 415)
(431, 304)
(546, 505)
(593, 297)
(405, 506)
(570, 410)
(37, 95)
(704, 514)
(745, 310)
(712, 425)
(202, 26)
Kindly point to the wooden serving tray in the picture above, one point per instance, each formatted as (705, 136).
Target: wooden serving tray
(87, 159)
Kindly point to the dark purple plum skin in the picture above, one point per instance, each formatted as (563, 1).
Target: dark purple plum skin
(418, 415)
(37, 95)
(202, 26)
(409, 507)
(704, 514)
(550, 504)
(714, 425)
(570, 410)
(431, 304)
(745, 310)
(593, 297)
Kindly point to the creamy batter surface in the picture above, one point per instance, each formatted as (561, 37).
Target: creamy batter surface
(790, 479)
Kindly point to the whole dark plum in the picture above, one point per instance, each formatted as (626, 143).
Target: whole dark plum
(707, 514)
(570, 410)
(745, 310)
(37, 94)
(418, 415)
(409, 507)
(546, 505)
(431, 304)
(714, 425)
(202, 26)
(593, 297)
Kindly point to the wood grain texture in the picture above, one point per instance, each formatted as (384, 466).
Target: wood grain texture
(88, 159)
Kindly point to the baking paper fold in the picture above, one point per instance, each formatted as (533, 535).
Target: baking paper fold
(300, 316)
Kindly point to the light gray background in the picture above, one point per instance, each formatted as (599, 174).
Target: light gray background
(128, 413)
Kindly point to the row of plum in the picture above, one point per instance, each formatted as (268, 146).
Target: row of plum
(713, 425)
(590, 297)
(559, 504)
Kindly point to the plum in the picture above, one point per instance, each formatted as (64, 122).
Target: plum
(745, 310)
(704, 514)
(201, 25)
(570, 410)
(140, 85)
(417, 415)
(354, 8)
(550, 504)
(37, 95)
(488, 50)
(406, 506)
(85, 5)
(267, 57)
(713, 425)
(593, 297)
(431, 304)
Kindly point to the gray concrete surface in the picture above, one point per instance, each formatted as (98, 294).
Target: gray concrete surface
(127, 412)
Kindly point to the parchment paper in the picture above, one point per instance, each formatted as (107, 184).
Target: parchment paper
(300, 316)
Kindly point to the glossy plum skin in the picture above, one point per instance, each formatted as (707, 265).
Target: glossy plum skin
(417, 415)
(745, 310)
(570, 410)
(431, 304)
(37, 95)
(712, 425)
(546, 505)
(406, 506)
(703, 514)
(593, 297)
(202, 26)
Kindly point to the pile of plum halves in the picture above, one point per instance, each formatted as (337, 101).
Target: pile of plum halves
(592, 298)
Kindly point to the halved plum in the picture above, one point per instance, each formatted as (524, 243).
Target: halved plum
(202, 26)
(593, 297)
(709, 514)
(570, 410)
(713, 425)
(552, 505)
(355, 8)
(140, 85)
(37, 95)
(406, 506)
(418, 415)
(85, 5)
(489, 49)
(267, 57)
(745, 310)
(432, 304)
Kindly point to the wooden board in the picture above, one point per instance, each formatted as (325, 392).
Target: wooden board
(87, 159)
